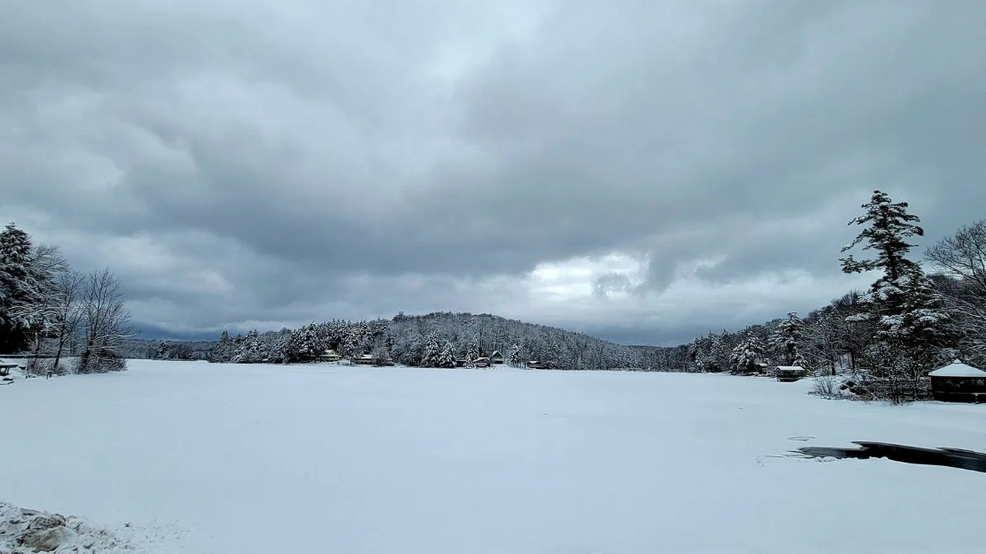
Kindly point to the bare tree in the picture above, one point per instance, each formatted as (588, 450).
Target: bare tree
(962, 257)
(105, 321)
(68, 311)
(821, 340)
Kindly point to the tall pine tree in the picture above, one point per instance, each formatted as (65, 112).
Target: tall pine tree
(912, 326)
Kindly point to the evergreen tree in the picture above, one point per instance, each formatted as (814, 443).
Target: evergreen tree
(446, 358)
(17, 291)
(223, 350)
(718, 359)
(788, 339)
(747, 356)
(472, 350)
(250, 350)
(351, 346)
(432, 351)
(303, 345)
(889, 228)
(912, 326)
(553, 357)
(515, 356)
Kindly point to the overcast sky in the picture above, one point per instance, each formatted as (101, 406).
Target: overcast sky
(642, 170)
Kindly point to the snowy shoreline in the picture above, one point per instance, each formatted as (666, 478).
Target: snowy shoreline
(24, 530)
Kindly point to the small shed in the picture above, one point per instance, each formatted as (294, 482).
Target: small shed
(534, 364)
(958, 382)
(481, 362)
(365, 359)
(790, 373)
(496, 357)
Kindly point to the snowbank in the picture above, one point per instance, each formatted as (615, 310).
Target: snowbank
(28, 531)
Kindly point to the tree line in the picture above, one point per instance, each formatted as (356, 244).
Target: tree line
(62, 319)
(440, 339)
(888, 337)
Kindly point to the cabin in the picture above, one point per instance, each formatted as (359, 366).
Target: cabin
(534, 364)
(365, 359)
(496, 357)
(329, 356)
(958, 382)
(481, 362)
(790, 373)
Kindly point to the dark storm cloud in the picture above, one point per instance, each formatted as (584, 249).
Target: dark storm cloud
(765, 112)
(274, 163)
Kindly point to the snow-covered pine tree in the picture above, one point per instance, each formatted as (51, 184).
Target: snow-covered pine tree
(889, 228)
(747, 356)
(515, 356)
(919, 335)
(41, 314)
(303, 345)
(472, 349)
(222, 351)
(551, 353)
(446, 357)
(788, 339)
(695, 355)
(911, 322)
(719, 353)
(17, 291)
(351, 346)
(432, 351)
(250, 350)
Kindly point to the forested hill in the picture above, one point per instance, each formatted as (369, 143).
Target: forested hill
(439, 339)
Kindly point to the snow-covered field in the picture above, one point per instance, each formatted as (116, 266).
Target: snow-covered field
(216, 459)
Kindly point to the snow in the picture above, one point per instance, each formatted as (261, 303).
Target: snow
(56, 532)
(958, 369)
(360, 460)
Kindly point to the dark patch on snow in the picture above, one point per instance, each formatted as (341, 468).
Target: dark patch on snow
(947, 457)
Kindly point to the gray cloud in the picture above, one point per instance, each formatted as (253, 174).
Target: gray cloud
(263, 164)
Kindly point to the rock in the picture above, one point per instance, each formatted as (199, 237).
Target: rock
(47, 521)
(48, 540)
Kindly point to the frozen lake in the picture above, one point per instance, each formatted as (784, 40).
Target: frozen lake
(358, 460)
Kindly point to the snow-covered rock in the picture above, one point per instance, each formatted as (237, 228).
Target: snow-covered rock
(50, 539)
(24, 531)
